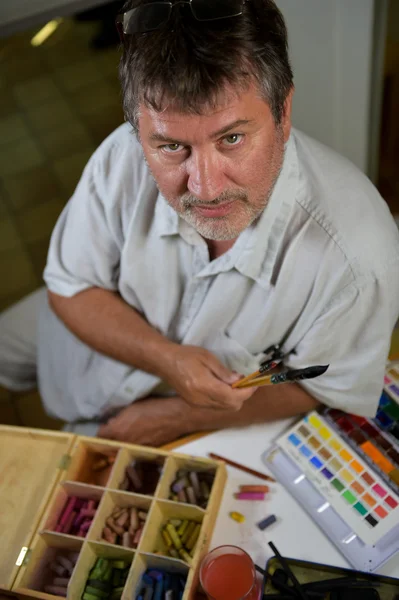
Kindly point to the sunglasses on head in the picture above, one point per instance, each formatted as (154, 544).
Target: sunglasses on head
(152, 16)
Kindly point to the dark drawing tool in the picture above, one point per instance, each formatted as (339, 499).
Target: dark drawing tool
(287, 569)
(270, 363)
(284, 377)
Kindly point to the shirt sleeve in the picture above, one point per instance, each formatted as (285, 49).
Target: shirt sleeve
(85, 247)
(352, 336)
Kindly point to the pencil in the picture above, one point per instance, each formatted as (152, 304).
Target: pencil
(264, 368)
(231, 463)
(284, 377)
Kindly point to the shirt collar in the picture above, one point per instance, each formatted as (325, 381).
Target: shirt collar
(166, 219)
(258, 257)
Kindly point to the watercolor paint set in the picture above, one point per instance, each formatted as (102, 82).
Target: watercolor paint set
(391, 381)
(80, 513)
(344, 470)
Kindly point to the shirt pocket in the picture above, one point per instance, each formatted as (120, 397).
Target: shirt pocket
(233, 354)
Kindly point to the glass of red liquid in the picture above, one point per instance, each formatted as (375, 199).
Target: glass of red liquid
(228, 573)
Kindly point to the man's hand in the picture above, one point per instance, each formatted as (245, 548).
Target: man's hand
(149, 422)
(200, 378)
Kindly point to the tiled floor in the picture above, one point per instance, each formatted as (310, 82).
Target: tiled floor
(57, 103)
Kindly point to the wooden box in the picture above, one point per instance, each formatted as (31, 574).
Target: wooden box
(40, 469)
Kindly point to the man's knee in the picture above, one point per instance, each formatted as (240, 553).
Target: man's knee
(18, 343)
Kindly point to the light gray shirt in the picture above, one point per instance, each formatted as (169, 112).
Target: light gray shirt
(318, 273)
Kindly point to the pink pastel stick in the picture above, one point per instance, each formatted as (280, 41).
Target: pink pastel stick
(137, 536)
(68, 525)
(68, 509)
(87, 513)
(91, 505)
(250, 496)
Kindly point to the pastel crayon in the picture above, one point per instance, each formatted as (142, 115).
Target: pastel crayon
(137, 536)
(134, 519)
(70, 505)
(236, 516)
(192, 540)
(56, 590)
(173, 534)
(191, 495)
(263, 489)
(195, 482)
(250, 496)
(191, 487)
(267, 522)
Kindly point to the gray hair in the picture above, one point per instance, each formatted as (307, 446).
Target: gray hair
(189, 63)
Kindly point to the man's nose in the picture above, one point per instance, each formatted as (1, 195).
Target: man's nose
(206, 179)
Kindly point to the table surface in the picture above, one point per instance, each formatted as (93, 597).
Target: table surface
(294, 533)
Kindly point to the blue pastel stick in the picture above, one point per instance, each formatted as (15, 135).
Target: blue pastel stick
(149, 592)
(158, 590)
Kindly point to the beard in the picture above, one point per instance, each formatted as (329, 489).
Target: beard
(224, 228)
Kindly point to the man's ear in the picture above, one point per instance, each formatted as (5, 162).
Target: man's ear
(286, 116)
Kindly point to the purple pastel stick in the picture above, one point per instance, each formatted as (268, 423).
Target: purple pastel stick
(61, 581)
(86, 525)
(59, 569)
(55, 590)
(66, 563)
(180, 484)
(73, 556)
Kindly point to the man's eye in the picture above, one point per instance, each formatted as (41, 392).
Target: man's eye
(172, 148)
(233, 139)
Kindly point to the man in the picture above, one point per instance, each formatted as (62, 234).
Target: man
(213, 233)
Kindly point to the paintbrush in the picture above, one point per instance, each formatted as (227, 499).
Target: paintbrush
(284, 377)
(266, 366)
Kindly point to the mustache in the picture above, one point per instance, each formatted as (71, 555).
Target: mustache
(188, 200)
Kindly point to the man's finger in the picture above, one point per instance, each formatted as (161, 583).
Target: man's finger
(221, 371)
(106, 431)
